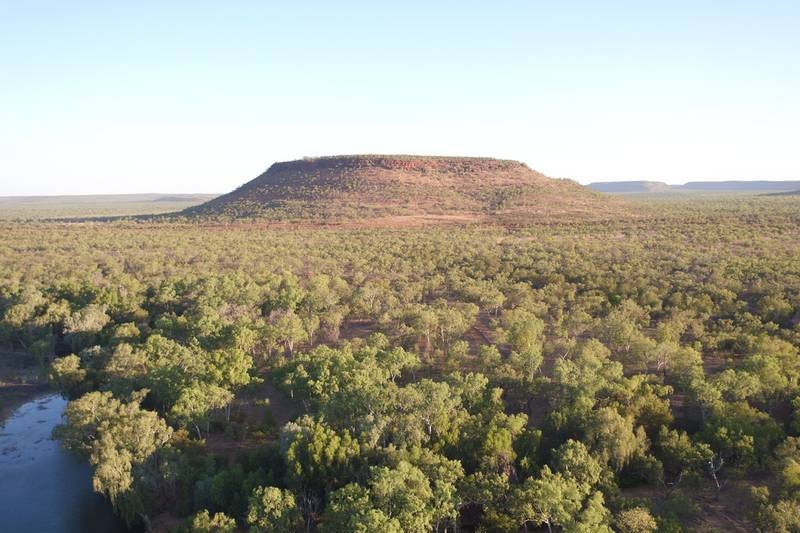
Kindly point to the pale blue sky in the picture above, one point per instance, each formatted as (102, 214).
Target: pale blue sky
(112, 97)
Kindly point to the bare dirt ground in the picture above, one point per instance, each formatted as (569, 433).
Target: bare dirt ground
(480, 332)
(727, 510)
(164, 523)
(356, 329)
(394, 221)
(249, 410)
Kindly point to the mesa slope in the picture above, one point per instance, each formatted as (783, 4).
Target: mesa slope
(406, 188)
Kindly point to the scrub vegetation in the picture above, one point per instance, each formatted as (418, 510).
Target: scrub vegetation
(635, 372)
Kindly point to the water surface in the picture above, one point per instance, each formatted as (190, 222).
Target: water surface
(42, 487)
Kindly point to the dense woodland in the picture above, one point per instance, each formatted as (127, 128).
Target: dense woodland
(632, 375)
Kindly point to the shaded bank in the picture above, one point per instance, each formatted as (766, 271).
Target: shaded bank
(12, 396)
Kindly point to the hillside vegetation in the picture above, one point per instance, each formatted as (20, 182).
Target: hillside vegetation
(406, 188)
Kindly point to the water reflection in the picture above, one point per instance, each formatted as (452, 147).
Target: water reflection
(42, 487)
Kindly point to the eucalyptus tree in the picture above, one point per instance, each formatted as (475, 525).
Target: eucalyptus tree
(116, 436)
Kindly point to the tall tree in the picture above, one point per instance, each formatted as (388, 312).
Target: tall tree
(115, 436)
(273, 510)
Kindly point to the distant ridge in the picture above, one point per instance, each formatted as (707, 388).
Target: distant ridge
(98, 198)
(630, 186)
(719, 186)
(358, 187)
(96, 205)
(785, 193)
(758, 185)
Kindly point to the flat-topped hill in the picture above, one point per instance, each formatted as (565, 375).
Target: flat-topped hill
(378, 186)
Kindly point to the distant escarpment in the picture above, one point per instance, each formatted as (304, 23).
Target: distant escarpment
(630, 186)
(657, 187)
(406, 189)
